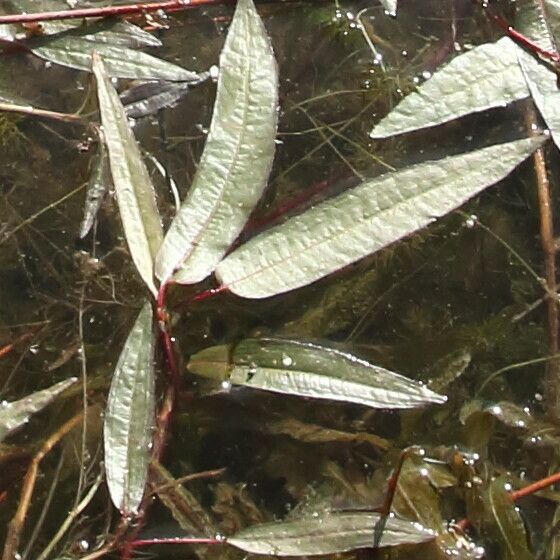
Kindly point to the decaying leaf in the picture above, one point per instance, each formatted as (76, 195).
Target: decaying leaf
(306, 369)
(237, 157)
(14, 415)
(326, 534)
(129, 416)
(363, 220)
(133, 185)
(485, 77)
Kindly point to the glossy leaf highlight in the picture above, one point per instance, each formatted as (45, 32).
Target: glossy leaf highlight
(237, 157)
(363, 220)
(129, 416)
(306, 369)
(328, 533)
(133, 185)
(485, 77)
(14, 415)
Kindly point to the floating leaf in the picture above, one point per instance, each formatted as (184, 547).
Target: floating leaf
(305, 369)
(98, 185)
(390, 6)
(133, 186)
(148, 98)
(509, 529)
(363, 220)
(485, 77)
(121, 62)
(237, 157)
(129, 416)
(326, 534)
(108, 30)
(14, 415)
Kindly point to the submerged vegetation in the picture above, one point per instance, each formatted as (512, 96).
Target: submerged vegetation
(223, 234)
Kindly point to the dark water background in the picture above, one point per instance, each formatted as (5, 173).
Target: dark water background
(449, 289)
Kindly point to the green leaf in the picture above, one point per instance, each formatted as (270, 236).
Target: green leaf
(14, 415)
(108, 30)
(326, 534)
(485, 77)
(133, 185)
(129, 416)
(509, 529)
(541, 79)
(363, 220)
(237, 157)
(121, 62)
(305, 369)
(98, 185)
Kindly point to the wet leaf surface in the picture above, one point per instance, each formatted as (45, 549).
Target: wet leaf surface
(129, 416)
(326, 534)
(363, 220)
(310, 370)
(237, 158)
(487, 76)
(133, 185)
(98, 185)
(508, 526)
(15, 414)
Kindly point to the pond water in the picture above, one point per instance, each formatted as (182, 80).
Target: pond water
(452, 304)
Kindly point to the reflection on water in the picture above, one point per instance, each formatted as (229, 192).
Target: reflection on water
(450, 289)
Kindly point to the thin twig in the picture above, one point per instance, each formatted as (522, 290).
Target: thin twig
(16, 524)
(549, 250)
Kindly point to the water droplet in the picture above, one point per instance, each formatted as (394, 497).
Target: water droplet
(287, 361)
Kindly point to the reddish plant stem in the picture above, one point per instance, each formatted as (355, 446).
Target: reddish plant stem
(535, 486)
(177, 540)
(5, 350)
(521, 39)
(109, 11)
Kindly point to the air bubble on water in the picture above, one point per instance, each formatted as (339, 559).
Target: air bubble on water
(287, 361)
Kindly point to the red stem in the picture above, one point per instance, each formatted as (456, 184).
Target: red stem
(524, 41)
(109, 11)
(176, 540)
(535, 486)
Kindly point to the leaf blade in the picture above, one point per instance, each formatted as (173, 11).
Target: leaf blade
(129, 416)
(14, 415)
(487, 76)
(133, 186)
(311, 370)
(237, 157)
(327, 534)
(363, 220)
(121, 62)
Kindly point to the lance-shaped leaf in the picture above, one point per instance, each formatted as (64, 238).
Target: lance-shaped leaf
(121, 62)
(98, 185)
(133, 185)
(364, 220)
(14, 415)
(237, 157)
(390, 6)
(507, 525)
(106, 30)
(328, 533)
(541, 80)
(306, 369)
(129, 418)
(485, 77)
